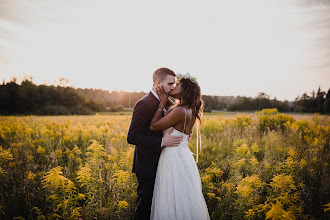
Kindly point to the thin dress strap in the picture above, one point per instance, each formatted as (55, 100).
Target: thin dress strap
(185, 118)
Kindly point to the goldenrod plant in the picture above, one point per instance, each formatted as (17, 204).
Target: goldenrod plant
(266, 165)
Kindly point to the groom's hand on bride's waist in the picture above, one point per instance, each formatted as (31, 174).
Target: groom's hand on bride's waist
(171, 140)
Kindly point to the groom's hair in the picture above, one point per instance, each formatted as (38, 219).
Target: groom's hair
(161, 74)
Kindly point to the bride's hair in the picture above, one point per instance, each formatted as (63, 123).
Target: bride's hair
(191, 96)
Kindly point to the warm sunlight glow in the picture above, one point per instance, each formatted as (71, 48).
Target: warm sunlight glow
(232, 47)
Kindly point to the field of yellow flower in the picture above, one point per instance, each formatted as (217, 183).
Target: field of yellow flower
(267, 166)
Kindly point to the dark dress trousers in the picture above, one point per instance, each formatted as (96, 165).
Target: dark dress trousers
(147, 151)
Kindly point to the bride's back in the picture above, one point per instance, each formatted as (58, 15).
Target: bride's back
(188, 121)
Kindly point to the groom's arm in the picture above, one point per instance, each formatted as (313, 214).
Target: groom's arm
(136, 135)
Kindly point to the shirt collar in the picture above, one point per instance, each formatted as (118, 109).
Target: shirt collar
(155, 94)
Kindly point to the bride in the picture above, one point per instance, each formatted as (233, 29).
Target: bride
(178, 189)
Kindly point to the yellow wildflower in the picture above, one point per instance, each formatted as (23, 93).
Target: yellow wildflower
(283, 183)
(253, 161)
(255, 148)
(277, 212)
(303, 163)
(206, 179)
(41, 150)
(293, 153)
(211, 195)
(327, 207)
(243, 149)
(122, 205)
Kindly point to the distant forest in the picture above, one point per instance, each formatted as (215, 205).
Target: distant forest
(30, 99)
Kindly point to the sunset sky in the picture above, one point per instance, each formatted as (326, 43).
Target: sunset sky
(280, 47)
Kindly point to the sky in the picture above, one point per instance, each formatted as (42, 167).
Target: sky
(237, 47)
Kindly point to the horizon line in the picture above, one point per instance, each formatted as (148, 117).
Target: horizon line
(47, 83)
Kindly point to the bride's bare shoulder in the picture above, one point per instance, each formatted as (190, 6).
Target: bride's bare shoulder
(179, 110)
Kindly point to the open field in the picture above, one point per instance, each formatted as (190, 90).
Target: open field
(253, 166)
(296, 116)
(225, 114)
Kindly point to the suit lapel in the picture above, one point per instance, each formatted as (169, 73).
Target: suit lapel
(153, 100)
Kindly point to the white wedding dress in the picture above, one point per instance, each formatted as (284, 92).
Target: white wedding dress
(178, 188)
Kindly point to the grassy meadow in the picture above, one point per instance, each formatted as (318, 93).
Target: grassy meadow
(263, 165)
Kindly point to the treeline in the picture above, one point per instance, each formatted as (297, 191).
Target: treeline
(28, 98)
(243, 103)
(316, 102)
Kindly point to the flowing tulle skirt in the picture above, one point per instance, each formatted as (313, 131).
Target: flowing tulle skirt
(178, 188)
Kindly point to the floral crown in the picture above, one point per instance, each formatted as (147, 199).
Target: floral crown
(180, 76)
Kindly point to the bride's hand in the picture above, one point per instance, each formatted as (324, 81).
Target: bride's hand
(163, 95)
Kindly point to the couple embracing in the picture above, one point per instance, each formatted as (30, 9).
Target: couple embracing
(169, 185)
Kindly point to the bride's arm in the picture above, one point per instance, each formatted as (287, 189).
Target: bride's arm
(159, 123)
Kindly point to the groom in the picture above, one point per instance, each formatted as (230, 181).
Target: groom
(148, 143)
